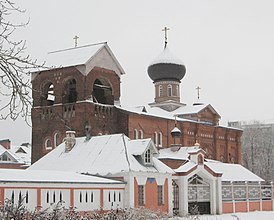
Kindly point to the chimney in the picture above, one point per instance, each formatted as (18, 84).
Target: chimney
(69, 140)
(5, 143)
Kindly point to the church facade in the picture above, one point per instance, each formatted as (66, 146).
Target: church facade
(81, 92)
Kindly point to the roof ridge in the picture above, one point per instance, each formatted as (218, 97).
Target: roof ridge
(74, 48)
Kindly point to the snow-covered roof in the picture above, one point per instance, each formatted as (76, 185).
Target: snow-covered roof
(185, 167)
(230, 172)
(161, 113)
(138, 147)
(167, 57)
(22, 152)
(181, 154)
(13, 157)
(103, 155)
(233, 172)
(17, 175)
(87, 57)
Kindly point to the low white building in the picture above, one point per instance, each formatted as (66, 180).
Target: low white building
(141, 180)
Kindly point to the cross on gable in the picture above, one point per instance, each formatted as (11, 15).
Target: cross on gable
(198, 89)
(75, 40)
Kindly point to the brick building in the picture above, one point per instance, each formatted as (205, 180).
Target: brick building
(81, 92)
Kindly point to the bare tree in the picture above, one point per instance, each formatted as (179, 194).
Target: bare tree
(258, 148)
(15, 66)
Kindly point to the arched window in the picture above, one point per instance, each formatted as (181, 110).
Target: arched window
(70, 93)
(200, 159)
(160, 139)
(160, 90)
(109, 196)
(12, 197)
(135, 134)
(20, 198)
(48, 144)
(56, 139)
(27, 197)
(60, 197)
(54, 197)
(86, 197)
(80, 197)
(91, 199)
(119, 196)
(114, 197)
(141, 134)
(155, 138)
(169, 90)
(148, 156)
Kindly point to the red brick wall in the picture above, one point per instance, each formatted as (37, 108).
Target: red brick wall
(5, 143)
(47, 120)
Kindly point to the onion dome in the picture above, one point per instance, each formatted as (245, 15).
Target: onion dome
(176, 132)
(166, 67)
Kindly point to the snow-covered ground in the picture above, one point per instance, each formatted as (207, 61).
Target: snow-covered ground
(235, 216)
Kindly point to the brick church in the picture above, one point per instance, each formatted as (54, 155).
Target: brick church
(81, 92)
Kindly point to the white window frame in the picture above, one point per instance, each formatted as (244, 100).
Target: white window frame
(161, 94)
(46, 144)
(169, 90)
(141, 134)
(136, 134)
(148, 156)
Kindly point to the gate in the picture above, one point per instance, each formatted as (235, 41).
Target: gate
(198, 196)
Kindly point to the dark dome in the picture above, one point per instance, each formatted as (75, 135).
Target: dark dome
(166, 67)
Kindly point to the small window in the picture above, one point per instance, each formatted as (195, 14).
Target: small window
(160, 90)
(12, 197)
(141, 134)
(114, 197)
(47, 197)
(86, 197)
(160, 195)
(91, 199)
(54, 197)
(169, 90)
(135, 134)
(177, 90)
(80, 197)
(109, 196)
(160, 139)
(141, 199)
(148, 156)
(60, 197)
(20, 198)
(56, 139)
(27, 197)
(48, 144)
(119, 196)
(155, 138)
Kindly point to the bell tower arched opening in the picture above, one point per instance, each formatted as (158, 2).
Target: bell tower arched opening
(48, 96)
(102, 92)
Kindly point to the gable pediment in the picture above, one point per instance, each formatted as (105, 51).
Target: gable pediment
(103, 58)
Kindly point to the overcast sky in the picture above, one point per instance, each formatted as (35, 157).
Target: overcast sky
(226, 45)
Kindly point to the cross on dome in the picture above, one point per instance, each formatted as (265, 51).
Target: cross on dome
(165, 30)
